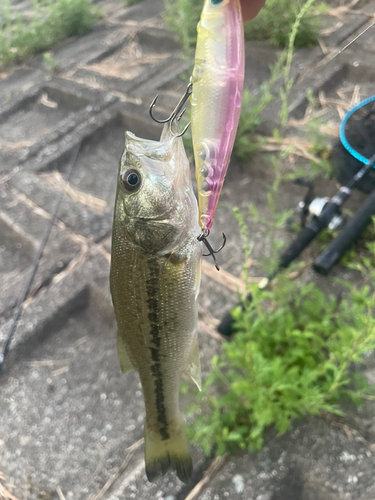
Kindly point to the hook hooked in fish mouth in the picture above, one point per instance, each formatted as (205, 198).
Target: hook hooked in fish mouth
(178, 111)
(203, 238)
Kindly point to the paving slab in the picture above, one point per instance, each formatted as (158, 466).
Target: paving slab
(337, 30)
(147, 53)
(143, 11)
(16, 9)
(22, 228)
(127, 115)
(42, 115)
(14, 81)
(100, 42)
(81, 213)
(88, 206)
(314, 461)
(365, 6)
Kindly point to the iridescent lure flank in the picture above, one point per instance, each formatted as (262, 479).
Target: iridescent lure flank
(216, 99)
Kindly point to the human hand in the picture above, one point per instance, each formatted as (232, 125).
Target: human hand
(250, 8)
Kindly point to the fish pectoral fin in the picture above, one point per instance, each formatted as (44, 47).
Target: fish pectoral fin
(194, 365)
(125, 363)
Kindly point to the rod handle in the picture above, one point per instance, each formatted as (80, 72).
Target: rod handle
(347, 236)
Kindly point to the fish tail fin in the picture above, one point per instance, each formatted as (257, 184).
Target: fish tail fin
(164, 453)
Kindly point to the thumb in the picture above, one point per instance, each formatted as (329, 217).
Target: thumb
(250, 8)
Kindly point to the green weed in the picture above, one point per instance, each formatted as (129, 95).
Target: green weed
(50, 63)
(276, 18)
(253, 106)
(321, 148)
(52, 21)
(272, 24)
(251, 117)
(289, 358)
(246, 143)
(182, 17)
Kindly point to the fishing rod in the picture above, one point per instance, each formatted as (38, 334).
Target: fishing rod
(324, 212)
(357, 224)
(34, 266)
(320, 222)
(339, 245)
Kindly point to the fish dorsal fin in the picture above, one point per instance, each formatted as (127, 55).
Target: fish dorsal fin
(125, 363)
(194, 365)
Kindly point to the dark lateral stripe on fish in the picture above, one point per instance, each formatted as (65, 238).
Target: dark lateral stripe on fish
(153, 316)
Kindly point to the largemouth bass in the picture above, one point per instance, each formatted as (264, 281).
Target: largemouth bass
(155, 278)
(217, 80)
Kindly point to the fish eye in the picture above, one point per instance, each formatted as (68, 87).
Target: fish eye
(131, 180)
(216, 2)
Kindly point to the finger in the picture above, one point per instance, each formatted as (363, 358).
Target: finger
(250, 8)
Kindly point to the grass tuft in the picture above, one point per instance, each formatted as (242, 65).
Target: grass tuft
(52, 21)
(291, 357)
(275, 20)
(272, 24)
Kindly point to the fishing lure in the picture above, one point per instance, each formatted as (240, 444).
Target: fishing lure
(216, 100)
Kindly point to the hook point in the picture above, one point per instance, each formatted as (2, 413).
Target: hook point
(176, 113)
(203, 238)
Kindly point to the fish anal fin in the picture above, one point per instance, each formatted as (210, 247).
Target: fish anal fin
(194, 365)
(125, 363)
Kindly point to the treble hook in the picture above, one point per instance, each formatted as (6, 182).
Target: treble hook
(178, 118)
(177, 112)
(203, 237)
(182, 133)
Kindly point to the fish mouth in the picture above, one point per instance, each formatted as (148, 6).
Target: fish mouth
(165, 216)
(159, 218)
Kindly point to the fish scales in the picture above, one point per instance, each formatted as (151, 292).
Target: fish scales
(154, 285)
(156, 302)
